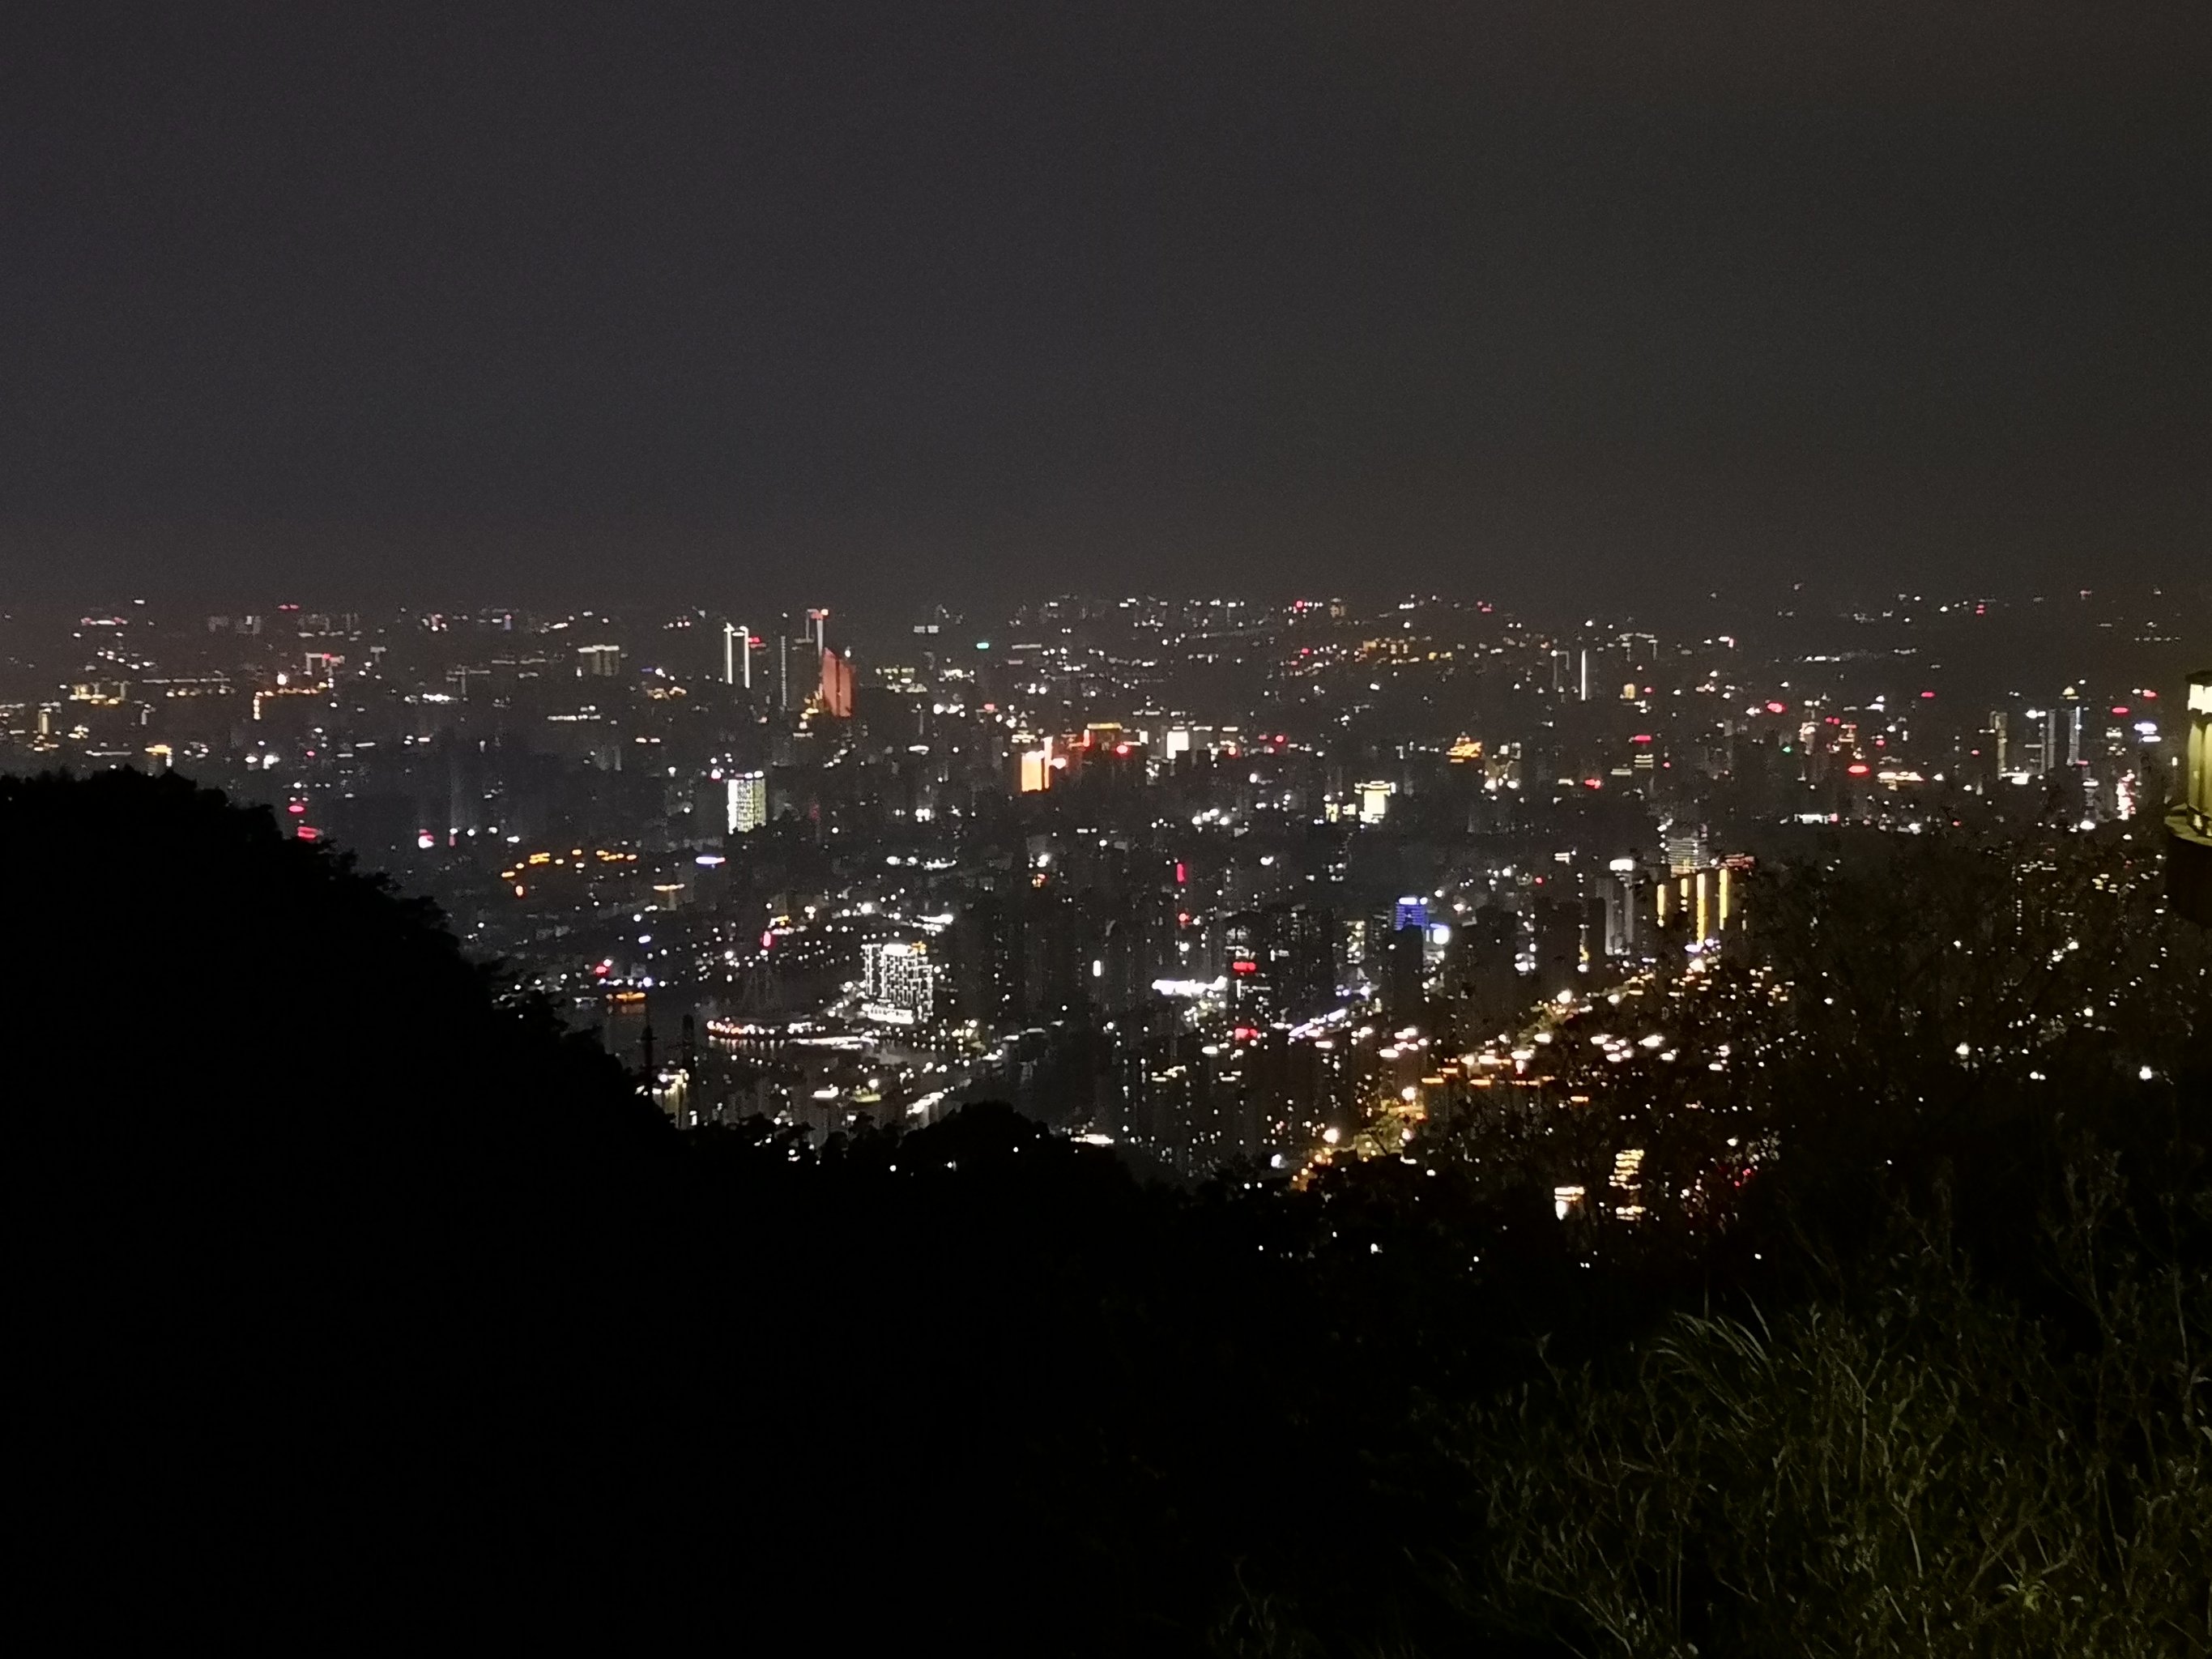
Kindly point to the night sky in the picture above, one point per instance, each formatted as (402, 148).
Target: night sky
(881, 301)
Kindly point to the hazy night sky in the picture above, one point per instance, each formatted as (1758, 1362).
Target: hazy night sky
(1538, 300)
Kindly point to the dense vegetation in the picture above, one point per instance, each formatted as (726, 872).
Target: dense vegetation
(359, 1298)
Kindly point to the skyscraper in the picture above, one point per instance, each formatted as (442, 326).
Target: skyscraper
(1405, 991)
(2189, 826)
(1558, 930)
(834, 697)
(747, 802)
(899, 982)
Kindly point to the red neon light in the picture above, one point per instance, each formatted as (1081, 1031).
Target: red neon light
(1243, 967)
(308, 832)
(1777, 708)
(1641, 737)
(1858, 768)
(1927, 693)
(1183, 875)
(297, 808)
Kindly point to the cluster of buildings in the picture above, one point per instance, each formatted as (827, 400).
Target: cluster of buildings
(1218, 881)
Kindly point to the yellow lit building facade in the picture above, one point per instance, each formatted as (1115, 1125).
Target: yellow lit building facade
(2189, 825)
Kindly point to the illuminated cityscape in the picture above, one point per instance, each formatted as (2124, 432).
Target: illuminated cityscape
(1125, 831)
(1215, 882)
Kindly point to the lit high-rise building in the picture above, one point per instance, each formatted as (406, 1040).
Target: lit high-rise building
(747, 802)
(899, 982)
(2189, 826)
(598, 661)
(738, 644)
(835, 695)
(1625, 932)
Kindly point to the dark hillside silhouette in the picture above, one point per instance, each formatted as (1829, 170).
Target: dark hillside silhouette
(294, 1183)
(357, 1283)
(358, 1298)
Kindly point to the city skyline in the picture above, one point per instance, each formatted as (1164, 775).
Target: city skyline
(1215, 870)
(1362, 827)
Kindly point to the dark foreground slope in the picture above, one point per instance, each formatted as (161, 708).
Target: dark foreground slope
(295, 1192)
(358, 1299)
(358, 1292)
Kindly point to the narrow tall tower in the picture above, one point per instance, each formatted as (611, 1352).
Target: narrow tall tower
(2189, 825)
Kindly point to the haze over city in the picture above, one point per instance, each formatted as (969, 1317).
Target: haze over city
(962, 303)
